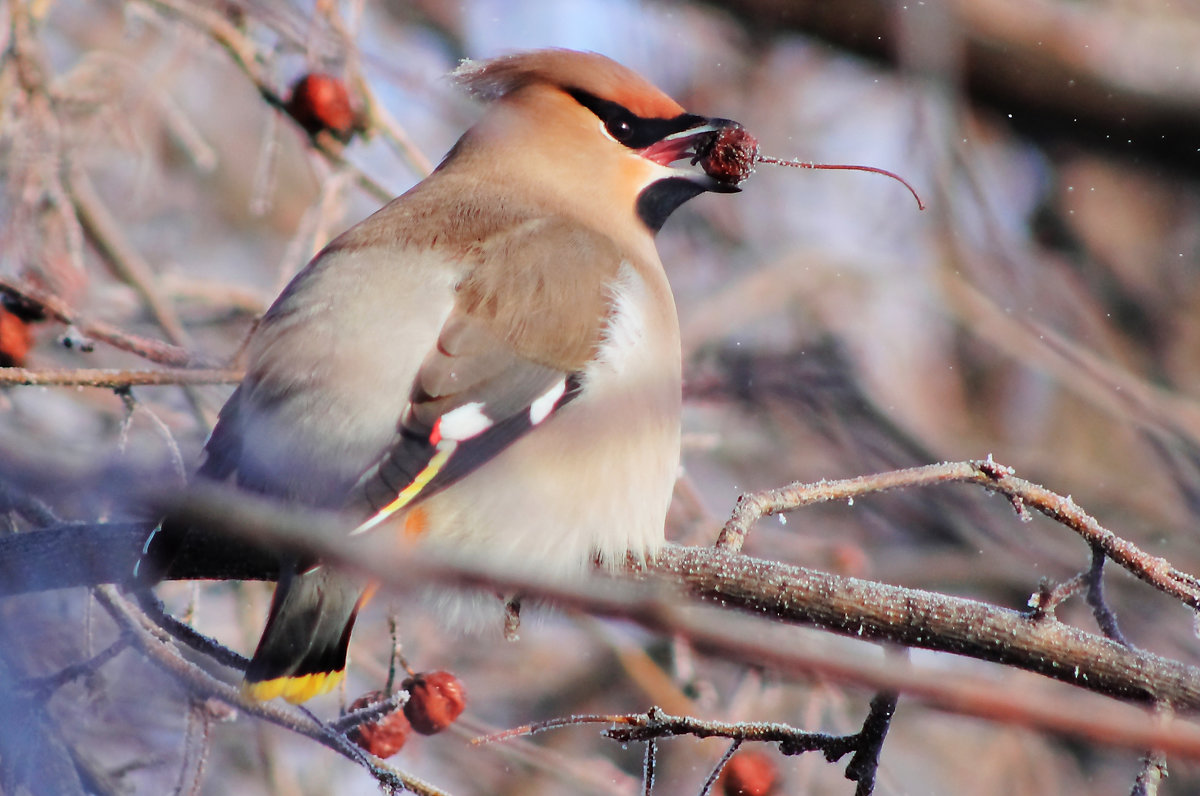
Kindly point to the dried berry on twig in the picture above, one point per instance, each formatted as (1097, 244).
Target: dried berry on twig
(15, 339)
(384, 736)
(749, 774)
(321, 103)
(729, 156)
(435, 700)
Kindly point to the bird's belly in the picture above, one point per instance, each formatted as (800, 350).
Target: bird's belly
(521, 510)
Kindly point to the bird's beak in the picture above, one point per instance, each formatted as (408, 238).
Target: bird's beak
(698, 145)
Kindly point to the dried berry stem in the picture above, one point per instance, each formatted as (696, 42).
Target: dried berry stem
(799, 164)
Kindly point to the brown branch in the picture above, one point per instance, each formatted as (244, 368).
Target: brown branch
(1156, 571)
(657, 723)
(849, 606)
(1077, 715)
(124, 260)
(116, 379)
(152, 350)
(858, 608)
(927, 620)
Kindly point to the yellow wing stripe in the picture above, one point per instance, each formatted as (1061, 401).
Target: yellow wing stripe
(409, 493)
(293, 689)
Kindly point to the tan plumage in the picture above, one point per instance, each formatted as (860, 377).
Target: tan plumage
(491, 361)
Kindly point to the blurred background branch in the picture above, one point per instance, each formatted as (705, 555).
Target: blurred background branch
(1108, 76)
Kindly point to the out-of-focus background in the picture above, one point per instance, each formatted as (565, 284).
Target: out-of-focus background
(1044, 309)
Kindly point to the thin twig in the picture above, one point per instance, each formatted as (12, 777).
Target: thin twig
(371, 712)
(164, 431)
(715, 774)
(1105, 617)
(648, 768)
(534, 728)
(215, 650)
(125, 261)
(44, 686)
(394, 133)
(1044, 601)
(148, 638)
(865, 763)
(1151, 773)
(196, 745)
(152, 350)
(1154, 570)
(595, 775)
(220, 30)
(26, 505)
(656, 723)
(801, 164)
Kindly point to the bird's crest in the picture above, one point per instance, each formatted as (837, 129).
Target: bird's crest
(571, 71)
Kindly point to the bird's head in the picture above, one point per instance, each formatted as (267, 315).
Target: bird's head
(586, 127)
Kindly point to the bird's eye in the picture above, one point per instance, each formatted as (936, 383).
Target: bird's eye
(620, 129)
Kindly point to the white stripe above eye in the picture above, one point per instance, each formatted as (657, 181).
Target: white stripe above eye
(464, 422)
(541, 408)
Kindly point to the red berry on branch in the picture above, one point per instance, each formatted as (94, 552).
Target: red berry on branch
(384, 736)
(15, 339)
(435, 700)
(749, 774)
(321, 103)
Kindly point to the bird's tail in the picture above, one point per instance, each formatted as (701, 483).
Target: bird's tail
(302, 652)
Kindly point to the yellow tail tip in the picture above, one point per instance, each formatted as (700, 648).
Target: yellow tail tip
(293, 689)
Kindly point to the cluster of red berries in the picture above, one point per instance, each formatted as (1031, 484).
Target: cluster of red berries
(435, 700)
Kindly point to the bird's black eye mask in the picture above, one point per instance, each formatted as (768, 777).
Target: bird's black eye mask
(635, 132)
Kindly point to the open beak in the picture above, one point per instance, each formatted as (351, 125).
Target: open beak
(703, 147)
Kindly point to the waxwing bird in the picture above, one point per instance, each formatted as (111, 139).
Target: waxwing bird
(489, 363)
